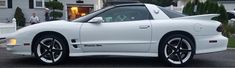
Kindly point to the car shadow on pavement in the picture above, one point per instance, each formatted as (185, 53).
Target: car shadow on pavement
(102, 61)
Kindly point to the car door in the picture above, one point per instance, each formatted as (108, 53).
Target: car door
(125, 29)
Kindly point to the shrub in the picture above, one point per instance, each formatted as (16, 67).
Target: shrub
(210, 7)
(19, 16)
(56, 14)
(188, 9)
(55, 5)
(223, 15)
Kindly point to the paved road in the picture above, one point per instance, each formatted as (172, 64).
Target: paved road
(219, 59)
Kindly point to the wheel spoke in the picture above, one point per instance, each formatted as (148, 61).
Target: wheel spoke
(52, 57)
(43, 54)
(169, 56)
(52, 43)
(44, 45)
(179, 57)
(179, 43)
(171, 46)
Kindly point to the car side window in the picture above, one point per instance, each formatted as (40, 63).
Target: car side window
(125, 13)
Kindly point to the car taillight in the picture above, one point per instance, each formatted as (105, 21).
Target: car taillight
(220, 28)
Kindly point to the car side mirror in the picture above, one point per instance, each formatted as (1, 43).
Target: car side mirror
(96, 20)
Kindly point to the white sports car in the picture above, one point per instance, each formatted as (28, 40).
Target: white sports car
(137, 29)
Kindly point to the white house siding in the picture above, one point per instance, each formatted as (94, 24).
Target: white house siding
(8, 13)
(229, 6)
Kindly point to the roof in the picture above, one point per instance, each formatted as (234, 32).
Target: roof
(129, 4)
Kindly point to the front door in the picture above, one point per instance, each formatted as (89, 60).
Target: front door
(125, 29)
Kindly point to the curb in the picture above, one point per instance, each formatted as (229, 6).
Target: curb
(231, 48)
(2, 46)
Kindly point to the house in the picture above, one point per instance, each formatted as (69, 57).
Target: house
(228, 4)
(72, 8)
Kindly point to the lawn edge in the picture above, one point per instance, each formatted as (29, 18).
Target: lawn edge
(230, 48)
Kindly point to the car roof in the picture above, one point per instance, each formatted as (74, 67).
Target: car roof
(129, 4)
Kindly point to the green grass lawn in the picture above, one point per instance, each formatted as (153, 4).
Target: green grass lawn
(231, 42)
(1, 42)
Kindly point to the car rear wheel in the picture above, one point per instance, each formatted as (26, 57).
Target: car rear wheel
(50, 49)
(176, 50)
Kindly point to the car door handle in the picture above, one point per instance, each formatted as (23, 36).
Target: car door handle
(144, 26)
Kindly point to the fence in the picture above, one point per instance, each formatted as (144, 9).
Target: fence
(6, 28)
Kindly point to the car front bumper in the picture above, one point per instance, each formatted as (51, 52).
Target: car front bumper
(18, 49)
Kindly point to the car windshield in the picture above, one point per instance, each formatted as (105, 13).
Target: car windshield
(171, 13)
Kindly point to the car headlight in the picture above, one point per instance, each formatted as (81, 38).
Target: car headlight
(12, 41)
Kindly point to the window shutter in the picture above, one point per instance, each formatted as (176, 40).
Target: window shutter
(9, 3)
(31, 4)
(79, 1)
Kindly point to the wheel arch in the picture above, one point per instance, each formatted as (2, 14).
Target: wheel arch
(47, 32)
(178, 32)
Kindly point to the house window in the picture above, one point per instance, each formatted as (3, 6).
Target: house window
(38, 3)
(3, 3)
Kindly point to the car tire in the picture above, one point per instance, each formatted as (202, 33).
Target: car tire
(50, 49)
(176, 50)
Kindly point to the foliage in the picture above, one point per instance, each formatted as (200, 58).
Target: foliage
(210, 7)
(223, 15)
(231, 29)
(55, 5)
(188, 9)
(162, 3)
(56, 14)
(231, 42)
(19, 16)
(1, 42)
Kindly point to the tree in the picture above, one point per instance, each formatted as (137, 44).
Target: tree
(162, 3)
(56, 7)
(188, 9)
(19, 16)
(223, 15)
(211, 7)
(200, 8)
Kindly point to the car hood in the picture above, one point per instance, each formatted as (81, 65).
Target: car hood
(46, 26)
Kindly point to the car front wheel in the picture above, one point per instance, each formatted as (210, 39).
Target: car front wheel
(50, 49)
